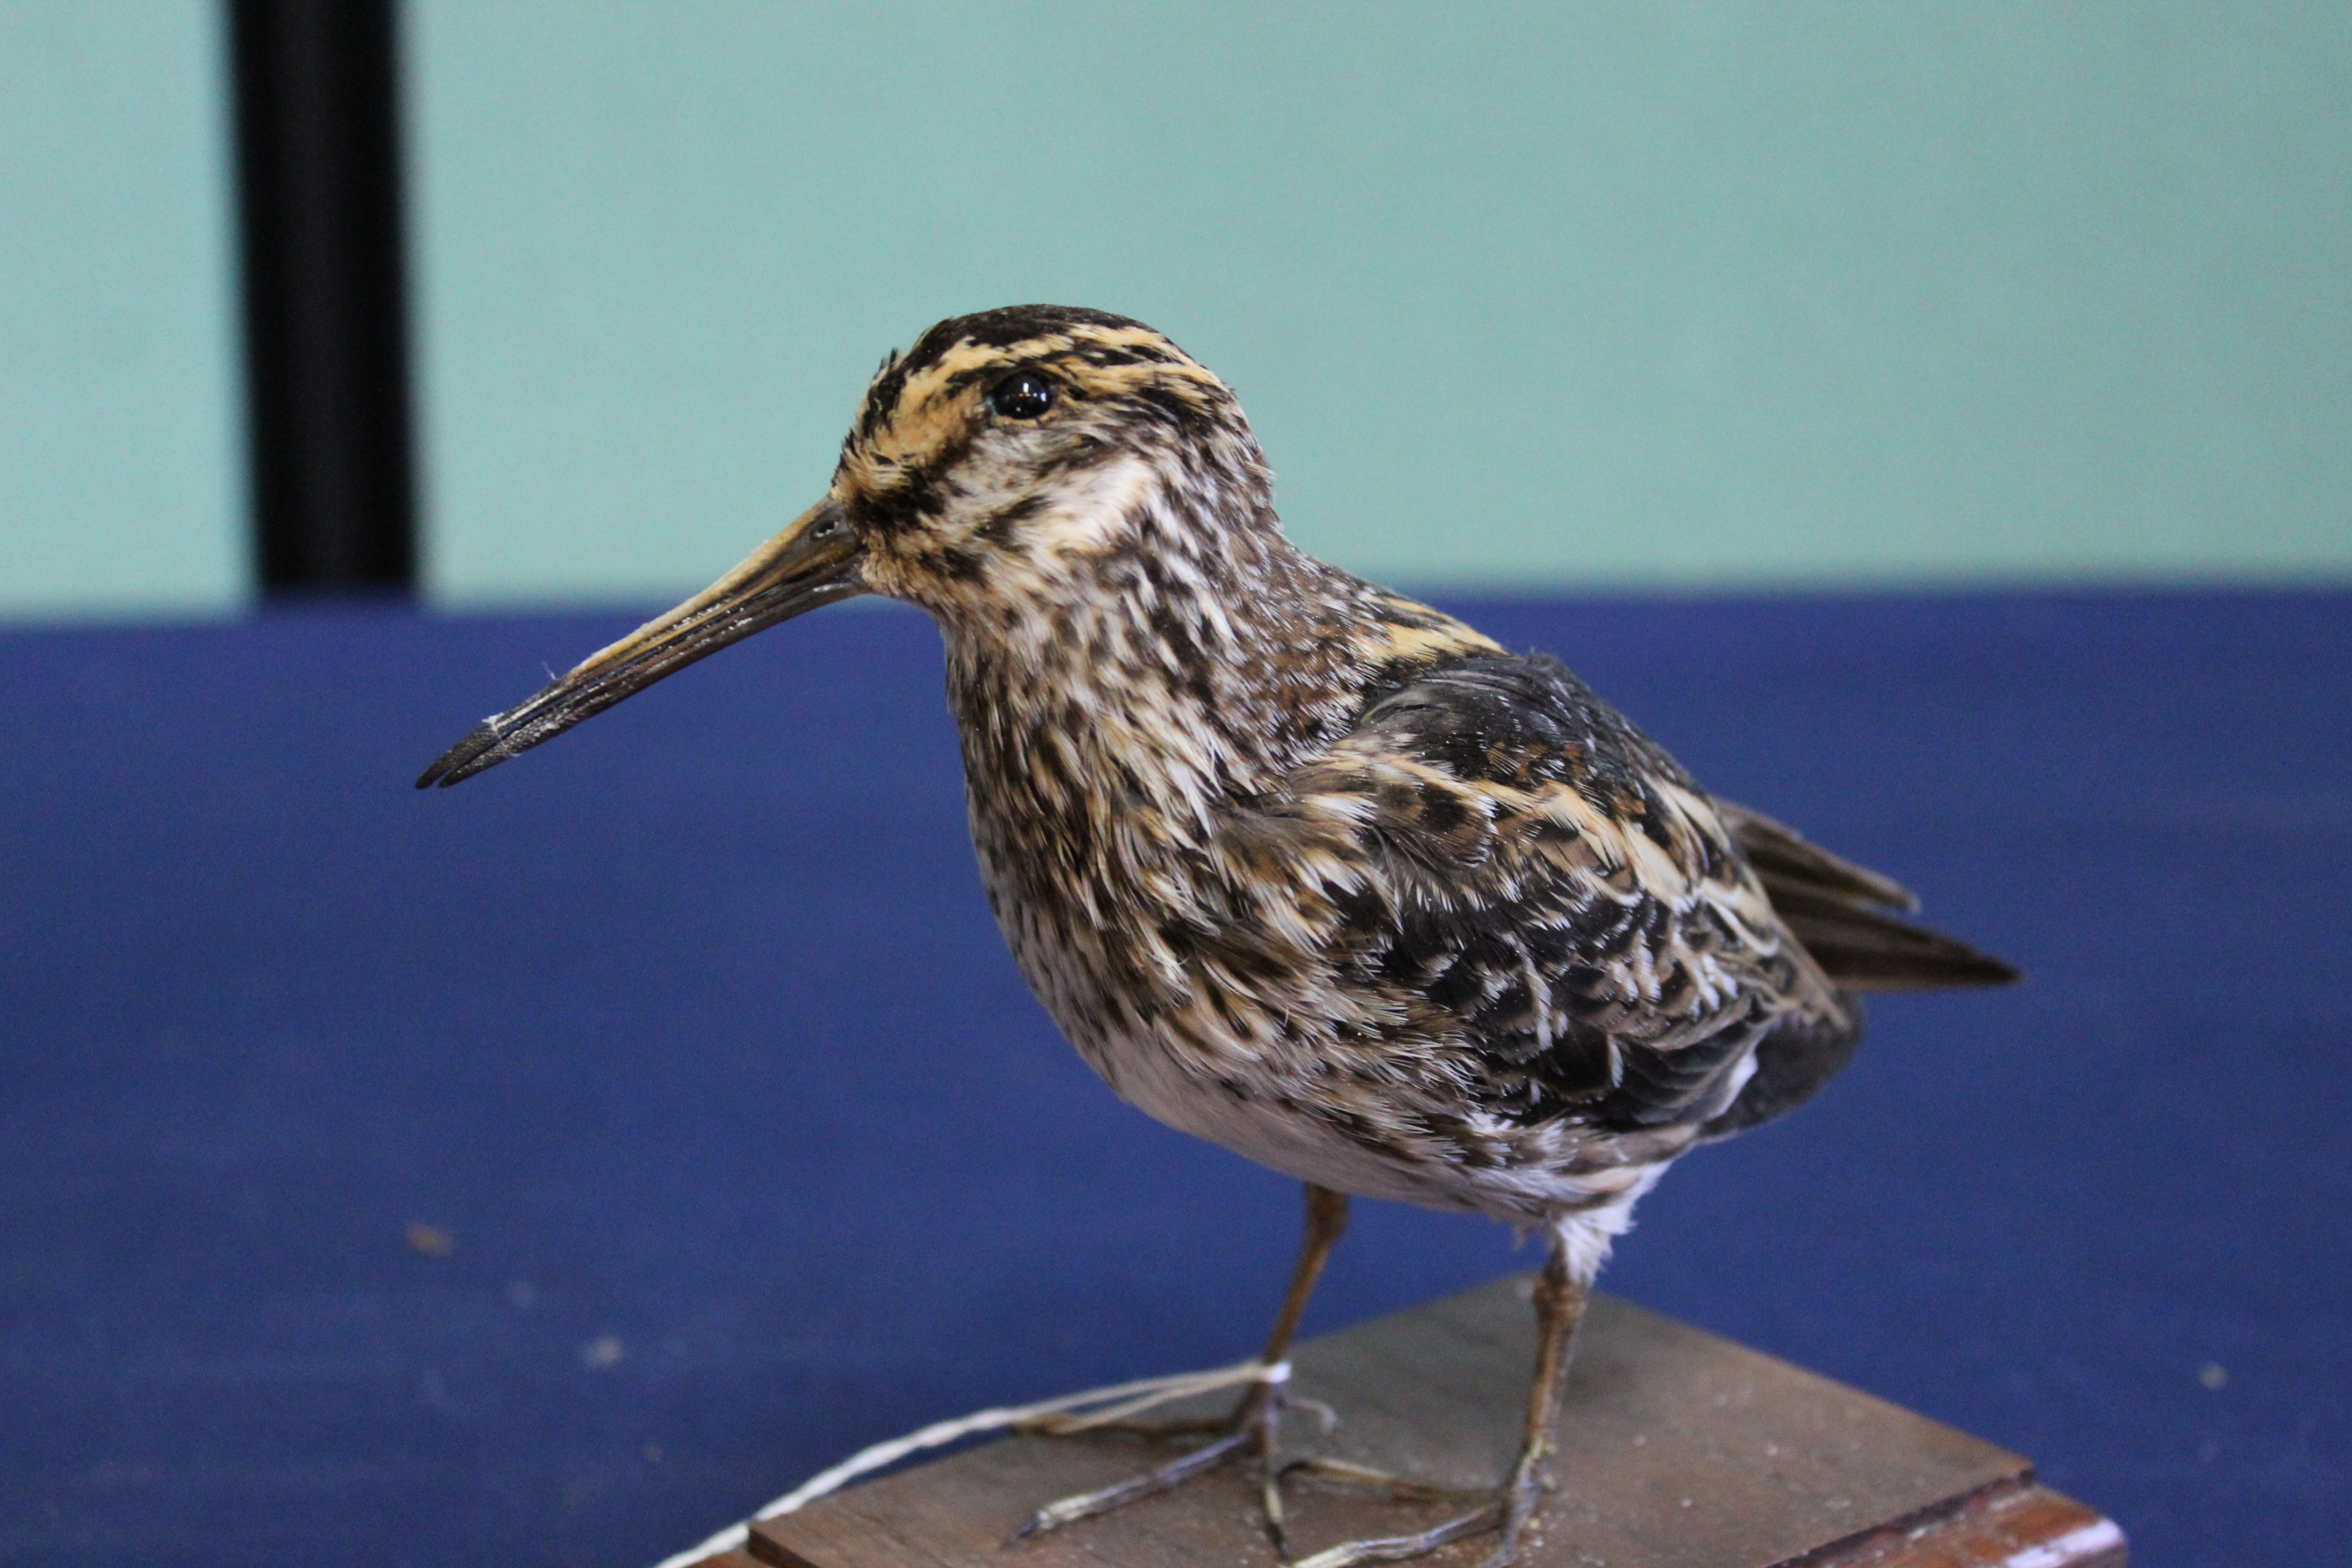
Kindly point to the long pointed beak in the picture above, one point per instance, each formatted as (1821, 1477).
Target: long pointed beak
(815, 561)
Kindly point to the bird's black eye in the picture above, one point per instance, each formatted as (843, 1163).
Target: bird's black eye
(1020, 397)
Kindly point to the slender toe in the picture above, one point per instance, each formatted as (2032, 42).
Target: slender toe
(1394, 1487)
(1403, 1548)
(1175, 1473)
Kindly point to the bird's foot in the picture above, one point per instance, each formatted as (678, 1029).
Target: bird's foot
(1363, 1478)
(1252, 1430)
(1505, 1513)
(1401, 1548)
(1253, 1433)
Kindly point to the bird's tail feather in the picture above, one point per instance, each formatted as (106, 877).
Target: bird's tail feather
(1838, 911)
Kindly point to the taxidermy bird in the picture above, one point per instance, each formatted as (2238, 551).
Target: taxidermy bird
(1300, 866)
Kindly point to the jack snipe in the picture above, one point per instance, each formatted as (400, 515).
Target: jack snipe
(1301, 865)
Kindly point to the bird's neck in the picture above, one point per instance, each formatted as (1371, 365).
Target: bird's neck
(1172, 685)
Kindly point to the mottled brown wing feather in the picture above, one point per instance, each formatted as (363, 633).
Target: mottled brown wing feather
(1529, 844)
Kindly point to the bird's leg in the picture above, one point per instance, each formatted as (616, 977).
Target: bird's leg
(1326, 1221)
(1560, 1296)
(1255, 1426)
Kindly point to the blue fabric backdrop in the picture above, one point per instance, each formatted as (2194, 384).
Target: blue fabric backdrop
(692, 1034)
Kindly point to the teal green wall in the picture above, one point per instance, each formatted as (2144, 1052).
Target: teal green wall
(1519, 296)
(1524, 297)
(120, 480)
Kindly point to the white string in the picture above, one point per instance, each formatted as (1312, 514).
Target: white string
(1054, 1417)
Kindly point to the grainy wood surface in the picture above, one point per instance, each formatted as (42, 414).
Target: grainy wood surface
(1678, 1450)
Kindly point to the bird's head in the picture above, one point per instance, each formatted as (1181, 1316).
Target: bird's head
(1008, 463)
(1007, 456)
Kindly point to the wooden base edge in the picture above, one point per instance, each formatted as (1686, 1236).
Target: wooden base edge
(2020, 1524)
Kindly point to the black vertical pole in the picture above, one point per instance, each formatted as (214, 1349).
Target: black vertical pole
(326, 330)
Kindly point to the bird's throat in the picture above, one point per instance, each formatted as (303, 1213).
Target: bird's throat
(1158, 701)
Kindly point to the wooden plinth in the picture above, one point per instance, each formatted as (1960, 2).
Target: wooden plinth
(1678, 1450)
